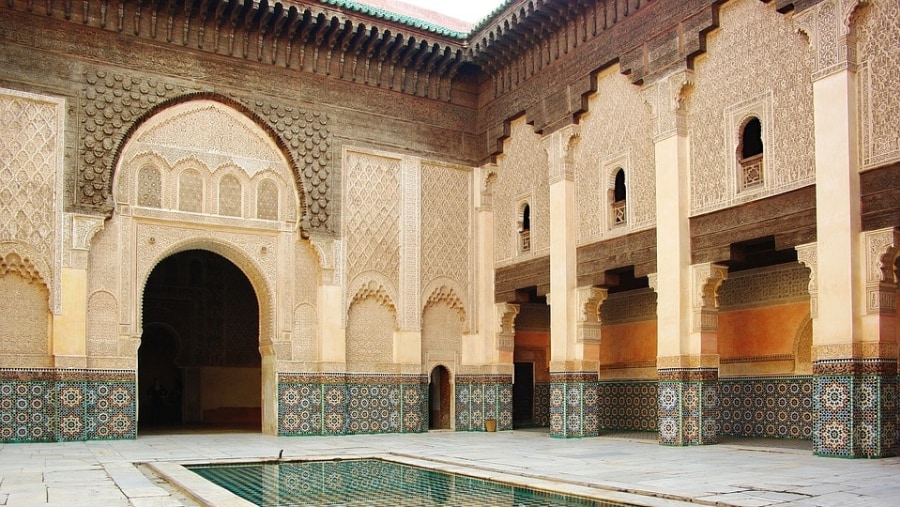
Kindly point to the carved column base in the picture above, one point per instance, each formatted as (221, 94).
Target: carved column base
(688, 406)
(574, 404)
(856, 408)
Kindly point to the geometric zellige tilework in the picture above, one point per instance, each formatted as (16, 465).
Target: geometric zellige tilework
(856, 415)
(628, 406)
(769, 407)
(688, 412)
(40, 405)
(351, 404)
(574, 408)
(480, 397)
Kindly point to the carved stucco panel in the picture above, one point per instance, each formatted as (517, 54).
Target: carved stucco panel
(522, 169)
(878, 37)
(737, 65)
(614, 134)
(446, 225)
(371, 211)
(112, 101)
(31, 179)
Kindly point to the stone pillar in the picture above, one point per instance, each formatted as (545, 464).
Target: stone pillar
(573, 370)
(332, 346)
(483, 346)
(854, 357)
(687, 350)
(69, 331)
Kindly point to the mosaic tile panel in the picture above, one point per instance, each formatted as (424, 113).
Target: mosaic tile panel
(541, 412)
(480, 397)
(41, 405)
(338, 404)
(628, 406)
(574, 404)
(688, 407)
(856, 414)
(767, 407)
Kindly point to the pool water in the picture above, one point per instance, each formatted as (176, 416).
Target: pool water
(373, 482)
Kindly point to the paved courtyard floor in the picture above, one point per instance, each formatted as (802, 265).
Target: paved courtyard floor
(637, 470)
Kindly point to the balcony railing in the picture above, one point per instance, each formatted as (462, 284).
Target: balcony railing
(752, 175)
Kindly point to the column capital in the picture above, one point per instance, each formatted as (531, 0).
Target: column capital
(560, 147)
(588, 302)
(506, 329)
(882, 249)
(666, 100)
(487, 177)
(828, 26)
(328, 251)
(808, 256)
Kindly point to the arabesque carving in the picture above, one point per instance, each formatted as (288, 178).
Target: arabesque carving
(113, 102)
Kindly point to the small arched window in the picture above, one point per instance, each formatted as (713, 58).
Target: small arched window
(750, 154)
(619, 207)
(525, 229)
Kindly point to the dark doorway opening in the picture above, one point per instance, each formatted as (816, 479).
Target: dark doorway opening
(440, 396)
(199, 364)
(523, 395)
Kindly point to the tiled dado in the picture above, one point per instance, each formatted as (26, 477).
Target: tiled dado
(480, 397)
(44, 405)
(341, 404)
(771, 407)
(573, 405)
(541, 413)
(628, 406)
(856, 404)
(688, 406)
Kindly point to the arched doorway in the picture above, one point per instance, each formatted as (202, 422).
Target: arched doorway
(199, 363)
(439, 398)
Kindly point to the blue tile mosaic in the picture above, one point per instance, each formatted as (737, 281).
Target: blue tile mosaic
(771, 407)
(41, 405)
(480, 397)
(628, 406)
(340, 404)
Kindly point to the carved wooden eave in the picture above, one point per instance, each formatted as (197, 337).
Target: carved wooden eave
(338, 39)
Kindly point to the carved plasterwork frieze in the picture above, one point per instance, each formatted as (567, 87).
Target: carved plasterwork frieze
(882, 249)
(808, 256)
(410, 244)
(832, 37)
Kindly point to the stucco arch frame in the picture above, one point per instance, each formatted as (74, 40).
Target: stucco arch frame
(265, 296)
(449, 291)
(283, 149)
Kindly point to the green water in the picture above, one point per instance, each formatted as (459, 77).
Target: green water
(373, 483)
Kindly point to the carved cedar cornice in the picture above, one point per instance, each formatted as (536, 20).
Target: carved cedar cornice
(343, 40)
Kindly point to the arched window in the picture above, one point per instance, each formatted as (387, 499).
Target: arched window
(525, 229)
(750, 154)
(619, 198)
